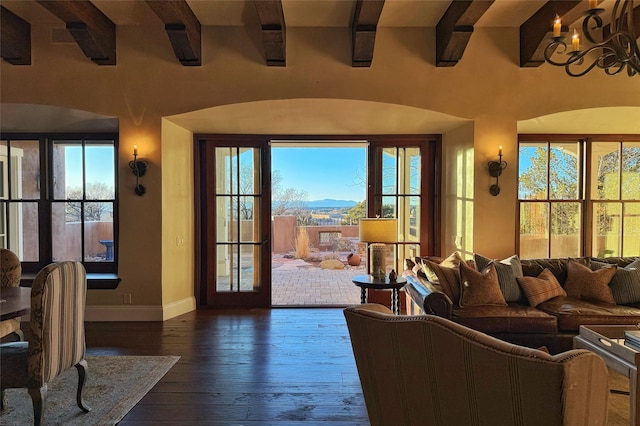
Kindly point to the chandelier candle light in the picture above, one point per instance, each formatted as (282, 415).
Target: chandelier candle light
(376, 232)
(612, 48)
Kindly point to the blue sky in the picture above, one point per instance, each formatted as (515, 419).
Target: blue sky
(99, 162)
(337, 173)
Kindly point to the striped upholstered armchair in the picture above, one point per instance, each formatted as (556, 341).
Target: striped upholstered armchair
(56, 339)
(10, 272)
(427, 370)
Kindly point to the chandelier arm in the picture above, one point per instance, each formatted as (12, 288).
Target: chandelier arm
(613, 54)
(587, 28)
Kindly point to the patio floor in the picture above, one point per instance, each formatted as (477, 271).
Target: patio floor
(295, 282)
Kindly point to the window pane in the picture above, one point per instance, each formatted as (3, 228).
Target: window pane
(631, 233)
(605, 171)
(534, 230)
(606, 229)
(408, 219)
(66, 233)
(227, 218)
(25, 169)
(19, 229)
(100, 171)
(249, 268)
(98, 232)
(564, 171)
(389, 171)
(249, 229)
(532, 171)
(389, 207)
(565, 230)
(414, 161)
(67, 171)
(631, 171)
(249, 171)
(227, 267)
(223, 170)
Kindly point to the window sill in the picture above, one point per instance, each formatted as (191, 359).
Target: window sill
(95, 281)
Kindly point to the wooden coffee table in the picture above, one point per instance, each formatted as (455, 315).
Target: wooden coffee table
(608, 342)
(367, 281)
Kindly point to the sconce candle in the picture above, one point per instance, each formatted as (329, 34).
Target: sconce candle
(495, 170)
(575, 40)
(557, 26)
(139, 168)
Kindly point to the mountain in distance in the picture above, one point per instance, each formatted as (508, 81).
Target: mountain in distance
(329, 202)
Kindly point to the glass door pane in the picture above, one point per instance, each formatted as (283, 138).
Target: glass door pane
(238, 239)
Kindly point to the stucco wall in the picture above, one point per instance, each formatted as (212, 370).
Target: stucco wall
(317, 92)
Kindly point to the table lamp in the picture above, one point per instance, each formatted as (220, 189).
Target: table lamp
(376, 232)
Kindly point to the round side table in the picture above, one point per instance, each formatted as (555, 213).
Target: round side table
(367, 281)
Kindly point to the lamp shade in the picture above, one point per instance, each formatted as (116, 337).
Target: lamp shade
(378, 230)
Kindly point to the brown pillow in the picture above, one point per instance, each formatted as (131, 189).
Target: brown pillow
(446, 274)
(541, 288)
(583, 283)
(480, 287)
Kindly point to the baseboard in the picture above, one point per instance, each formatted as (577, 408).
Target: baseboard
(139, 312)
(179, 307)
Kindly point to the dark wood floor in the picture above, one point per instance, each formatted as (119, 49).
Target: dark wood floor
(243, 367)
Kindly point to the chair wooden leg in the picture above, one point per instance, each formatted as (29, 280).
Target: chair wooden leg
(38, 397)
(83, 369)
(19, 335)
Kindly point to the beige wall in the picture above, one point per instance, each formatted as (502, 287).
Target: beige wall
(318, 92)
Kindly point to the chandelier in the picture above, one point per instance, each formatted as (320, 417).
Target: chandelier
(612, 48)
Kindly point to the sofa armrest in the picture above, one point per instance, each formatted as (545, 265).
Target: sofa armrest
(426, 295)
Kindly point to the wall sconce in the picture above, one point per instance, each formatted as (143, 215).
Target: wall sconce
(495, 170)
(139, 168)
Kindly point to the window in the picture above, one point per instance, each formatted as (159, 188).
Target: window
(576, 196)
(58, 199)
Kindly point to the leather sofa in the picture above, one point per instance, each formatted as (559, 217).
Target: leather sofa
(552, 323)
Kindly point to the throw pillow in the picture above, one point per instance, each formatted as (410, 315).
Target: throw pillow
(625, 284)
(480, 287)
(541, 288)
(446, 274)
(583, 283)
(508, 270)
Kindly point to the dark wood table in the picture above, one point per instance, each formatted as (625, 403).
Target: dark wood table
(367, 281)
(16, 301)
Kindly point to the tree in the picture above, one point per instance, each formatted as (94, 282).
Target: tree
(356, 212)
(287, 200)
(93, 211)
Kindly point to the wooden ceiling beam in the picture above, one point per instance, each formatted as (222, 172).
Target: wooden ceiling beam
(274, 36)
(183, 29)
(15, 41)
(454, 29)
(536, 31)
(363, 31)
(90, 28)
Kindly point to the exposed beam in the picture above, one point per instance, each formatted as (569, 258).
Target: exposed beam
(91, 29)
(274, 37)
(363, 28)
(455, 28)
(538, 29)
(182, 27)
(15, 44)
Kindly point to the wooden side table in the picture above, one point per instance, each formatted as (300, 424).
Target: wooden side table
(367, 281)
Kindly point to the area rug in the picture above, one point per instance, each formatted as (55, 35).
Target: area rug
(115, 384)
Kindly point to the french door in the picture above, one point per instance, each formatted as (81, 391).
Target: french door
(233, 208)
(234, 222)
